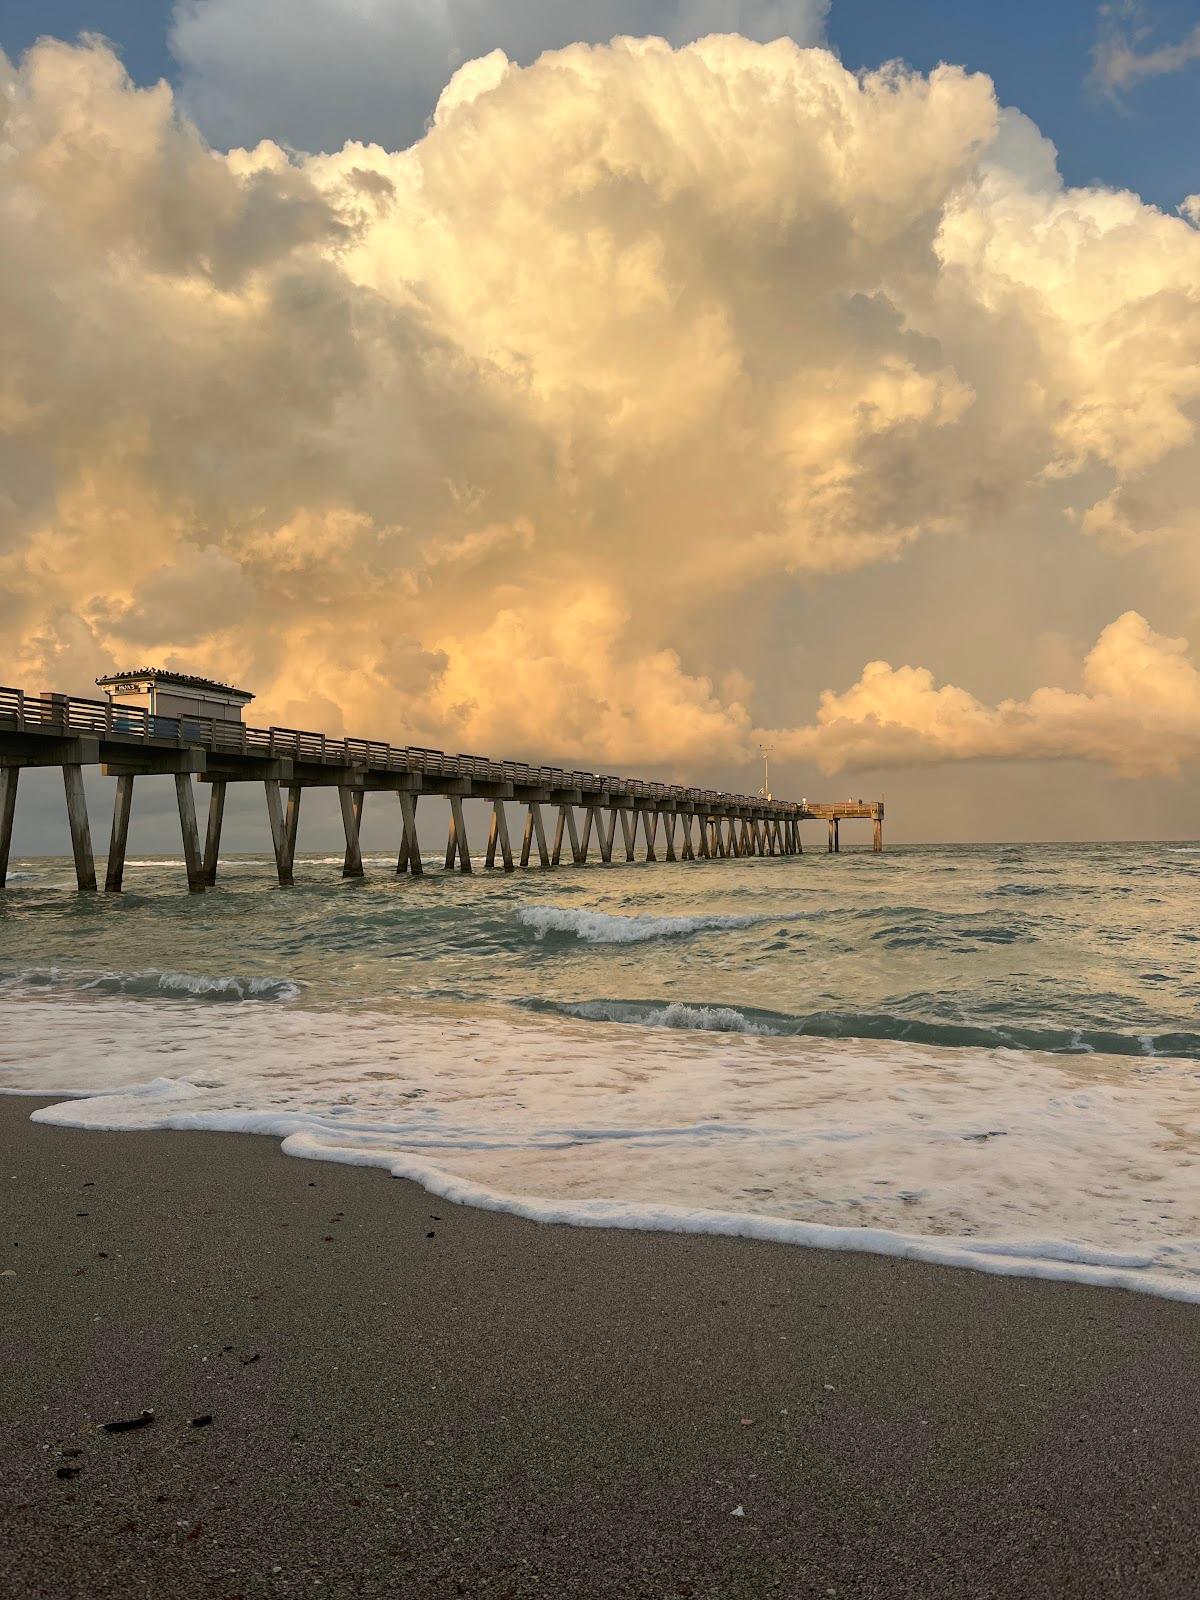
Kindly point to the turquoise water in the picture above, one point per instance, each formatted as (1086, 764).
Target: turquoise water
(995, 1044)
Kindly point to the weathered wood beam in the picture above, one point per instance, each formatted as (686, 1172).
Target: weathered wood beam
(9, 777)
(193, 860)
(114, 866)
(81, 833)
(877, 836)
(212, 837)
(351, 801)
(42, 751)
(560, 829)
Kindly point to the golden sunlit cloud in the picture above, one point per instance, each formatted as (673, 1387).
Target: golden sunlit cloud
(472, 443)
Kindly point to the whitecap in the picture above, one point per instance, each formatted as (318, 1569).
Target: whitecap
(606, 927)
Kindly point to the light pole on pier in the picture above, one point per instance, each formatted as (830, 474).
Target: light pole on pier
(765, 792)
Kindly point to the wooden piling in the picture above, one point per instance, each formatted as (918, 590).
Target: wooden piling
(527, 838)
(578, 854)
(650, 831)
(351, 801)
(279, 832)
(212, 837)
(591, 819)
(629, 832)
(409, 859)
(559, 834)
(607, 835)
(114, 866)
(498, 836)
(9, 777)
(193, 860)
(458, 828)
(81, 833)
(292, 822)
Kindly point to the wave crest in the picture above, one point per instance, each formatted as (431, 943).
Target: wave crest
(880, 1025)
(606, 927)
(152, 983)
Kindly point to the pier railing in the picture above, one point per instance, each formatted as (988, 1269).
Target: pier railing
(106, 719)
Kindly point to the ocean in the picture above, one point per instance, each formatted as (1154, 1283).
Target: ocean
(987, 1056)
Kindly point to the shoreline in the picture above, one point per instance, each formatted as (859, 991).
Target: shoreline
(1125, 1269)
(413, 1397)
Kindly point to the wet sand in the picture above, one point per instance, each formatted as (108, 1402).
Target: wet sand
(508, 1410)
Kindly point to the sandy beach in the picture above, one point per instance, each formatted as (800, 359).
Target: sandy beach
(409, 1398)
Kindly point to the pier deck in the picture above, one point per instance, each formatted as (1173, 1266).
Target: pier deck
(674, 822)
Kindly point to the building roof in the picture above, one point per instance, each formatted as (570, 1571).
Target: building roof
(183, 679)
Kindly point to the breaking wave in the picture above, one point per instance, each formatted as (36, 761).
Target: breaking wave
(606, 927)
(153, 984)
(872, 1025)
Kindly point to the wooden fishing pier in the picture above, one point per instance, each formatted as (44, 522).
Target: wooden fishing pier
(154, 723)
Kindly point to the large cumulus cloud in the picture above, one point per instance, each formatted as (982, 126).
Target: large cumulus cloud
(477, 442)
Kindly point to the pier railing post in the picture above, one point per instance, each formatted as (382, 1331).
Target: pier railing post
(114, 867)
(81, 833)
(8, 808)
(193, 860)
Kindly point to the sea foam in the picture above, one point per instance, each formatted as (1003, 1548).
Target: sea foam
(1012, 1162)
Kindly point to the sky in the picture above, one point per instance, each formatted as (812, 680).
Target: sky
(823, 376)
